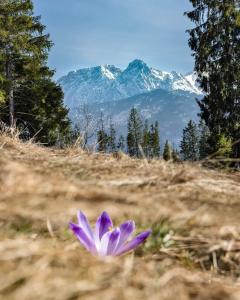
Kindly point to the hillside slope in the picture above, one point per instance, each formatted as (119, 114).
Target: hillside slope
(172, 110)
(194, 251)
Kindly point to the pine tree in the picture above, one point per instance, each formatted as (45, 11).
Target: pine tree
(102, 137)
(224, 147)
(112, 138)
(121, 143)
(42, 111)
(175, 155)
(134, 137)
(204, 135)
(146, 142)
(30, 94)
(190, 142)
(155, 140)
(215, 42)
(102, 140)
(167, 152)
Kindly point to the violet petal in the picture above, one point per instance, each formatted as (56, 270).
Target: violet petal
(109, 242)
(104, 223)
(84, 224)
(134, 243)
(126, 229)
(103, 246)
(113, 241)
(83, 238)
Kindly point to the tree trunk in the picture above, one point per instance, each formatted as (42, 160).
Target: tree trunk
(11, 107)
(10, 93)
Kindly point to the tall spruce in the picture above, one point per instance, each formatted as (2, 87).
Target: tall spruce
(176, 155)
(215, 42)
(31, 97)
(134, 137)
(112, 138)
(167, 151)
(146, 140)
(121, 143)
(203, 140)
(155, 140)
(102, 136)
(190, 142)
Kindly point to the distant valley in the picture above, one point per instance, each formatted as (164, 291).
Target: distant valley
(168, 97)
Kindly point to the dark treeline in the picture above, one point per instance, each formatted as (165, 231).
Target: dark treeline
(215, 42)
(142, 139)
(29, 99)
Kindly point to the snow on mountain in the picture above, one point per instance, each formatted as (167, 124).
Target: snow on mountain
(192, 79)
(108, 83)
(90, 85)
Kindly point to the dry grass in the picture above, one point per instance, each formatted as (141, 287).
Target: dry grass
(193, 253)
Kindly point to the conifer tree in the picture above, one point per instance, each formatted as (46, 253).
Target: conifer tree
(102, 140)
(167, 152)
(204, 135)
(146, 142)
(215, 42)
(102, 137)
(175, 155)
(121, 143)
(42, 111)
(30, 94)
(134, 137)
(155, 140)
(190, 142)
(224, 147)
(112, 138)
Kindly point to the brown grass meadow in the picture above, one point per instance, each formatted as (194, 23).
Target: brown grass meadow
(193, 252)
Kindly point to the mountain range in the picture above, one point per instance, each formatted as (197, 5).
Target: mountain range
(168, 97)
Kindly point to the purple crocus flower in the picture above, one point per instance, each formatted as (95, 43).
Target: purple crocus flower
(106, 240)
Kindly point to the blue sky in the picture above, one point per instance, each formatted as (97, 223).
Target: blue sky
(93, 32)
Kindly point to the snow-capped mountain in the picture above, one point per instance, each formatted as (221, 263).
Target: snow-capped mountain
(109, 83)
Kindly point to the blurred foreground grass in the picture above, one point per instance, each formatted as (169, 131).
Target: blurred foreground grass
(193, 252)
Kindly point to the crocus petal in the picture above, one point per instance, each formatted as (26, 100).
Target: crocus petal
(109, 242)
(83, 238)
(113, 241)
(84, 224)
(103, 244)
(126, 229)
(134, 243)
(104, 223)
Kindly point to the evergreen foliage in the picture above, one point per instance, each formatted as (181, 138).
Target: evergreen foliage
(112, 147)
(102, 136)
(32, 99)
(151, 141)
(102, 140)
(167, 152)
(176, 155)
(204, 135)
(134, 137)
(224, 147)
(155, 140)
(190, 142)
(147, 140)
(215, 42)
(121, 143)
